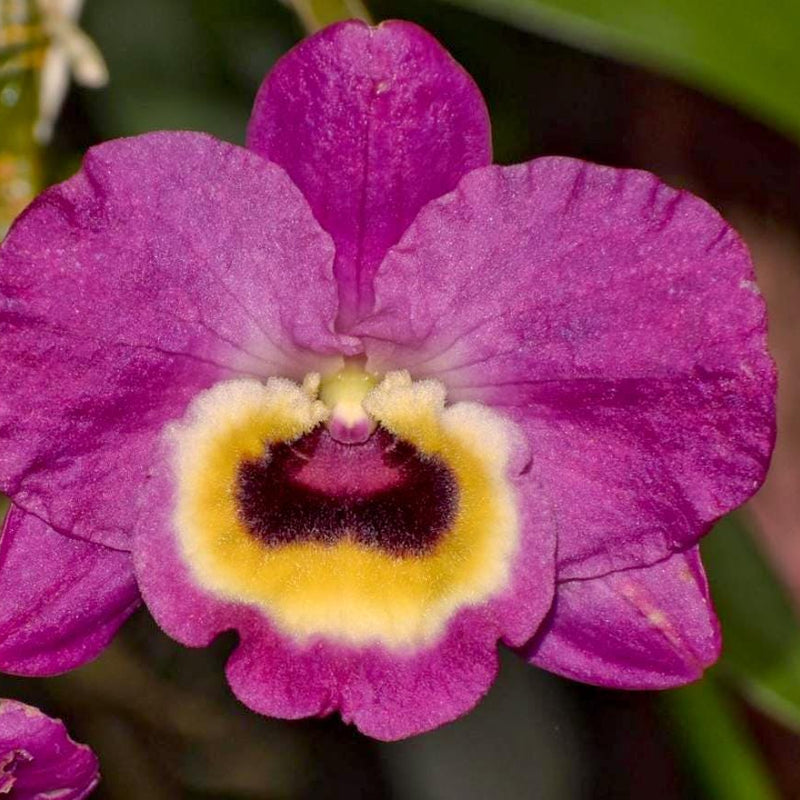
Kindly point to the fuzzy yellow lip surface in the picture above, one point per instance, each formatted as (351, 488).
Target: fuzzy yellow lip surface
(346, 591)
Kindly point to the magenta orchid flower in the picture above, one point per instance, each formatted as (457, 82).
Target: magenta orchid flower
(373, 403)
(38, 760)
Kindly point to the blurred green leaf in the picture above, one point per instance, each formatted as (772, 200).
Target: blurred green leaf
(761, 634)
(186, 64)
(716, 744)
(316, 14)
(745, 53)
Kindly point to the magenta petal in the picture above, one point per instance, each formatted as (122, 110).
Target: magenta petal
(170, 262)
(38, 760)
(648, 628)
(371, 123)
(61, 599)
(617, 321)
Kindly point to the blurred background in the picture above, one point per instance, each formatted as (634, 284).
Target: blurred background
(705, 94)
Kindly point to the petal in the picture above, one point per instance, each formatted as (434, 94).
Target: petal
(61, 599)
(39, 760)
(169, 261)
(388, 694)
(353, 114)
(616, 320)
(649, 628)
(384, 695)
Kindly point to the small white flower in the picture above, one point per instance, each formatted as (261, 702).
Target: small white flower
(70, 50)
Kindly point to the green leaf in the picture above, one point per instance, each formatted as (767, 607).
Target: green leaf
(196, 68)
(743, 52)
(761, 634)
(716, 744)
(316, 14)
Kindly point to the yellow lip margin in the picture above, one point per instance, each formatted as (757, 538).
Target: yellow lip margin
(346, 592)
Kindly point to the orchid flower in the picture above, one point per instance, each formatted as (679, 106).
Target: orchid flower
(372, 402)
(38, 760)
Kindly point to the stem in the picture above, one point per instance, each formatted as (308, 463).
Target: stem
(316, 14)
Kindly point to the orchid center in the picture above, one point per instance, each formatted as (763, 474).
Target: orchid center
(354, 508)
(343, 393)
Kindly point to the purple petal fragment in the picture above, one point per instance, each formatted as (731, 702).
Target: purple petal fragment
(38, 760)
(649, 628)
(371, 124)
(61, 599)
(617, 321)
(171, 261)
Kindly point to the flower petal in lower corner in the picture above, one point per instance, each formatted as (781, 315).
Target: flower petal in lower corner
(39, 760)
(61, 599)
(649, 628)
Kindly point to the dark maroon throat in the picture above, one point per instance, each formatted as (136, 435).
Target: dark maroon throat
(383, 493)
